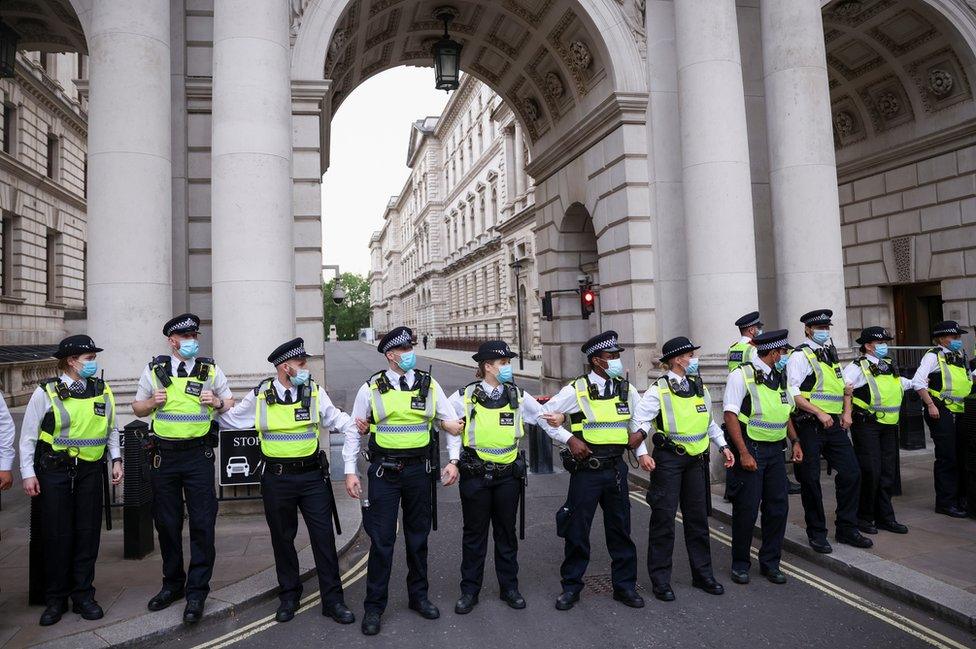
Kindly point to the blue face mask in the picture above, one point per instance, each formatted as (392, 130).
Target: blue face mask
(615, 368)
(955, 345)
(759, 331)
(300, 378)
(881, 350)
(407, 361)
(821, 336)
(88, 369)
(781, 363)
(189, 348)
(692, 367)
(505, 374)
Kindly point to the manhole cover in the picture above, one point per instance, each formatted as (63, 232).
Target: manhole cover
(602, 584)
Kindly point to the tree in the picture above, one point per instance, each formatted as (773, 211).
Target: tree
(353, 314)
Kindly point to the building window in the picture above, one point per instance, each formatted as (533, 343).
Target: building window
(9, 128)
(53, 243)
(7, 250)
(53, 155)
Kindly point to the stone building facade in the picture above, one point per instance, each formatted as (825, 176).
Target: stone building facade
(43, 213)
(442, 263)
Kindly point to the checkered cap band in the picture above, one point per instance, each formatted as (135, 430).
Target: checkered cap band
(773, 344)
(186, 323)
(403, 339)
(880, 334)
(945, 330)
(821, 317)
(752, 322)
(680, 350)
(601, 345)
(291, 353)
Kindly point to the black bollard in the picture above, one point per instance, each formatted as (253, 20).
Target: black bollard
(137, 523)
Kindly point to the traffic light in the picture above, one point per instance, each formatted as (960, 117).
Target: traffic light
(587, 302)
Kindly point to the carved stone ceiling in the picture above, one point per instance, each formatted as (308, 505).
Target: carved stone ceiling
(44, 25)
(890, 63)
(537, 54)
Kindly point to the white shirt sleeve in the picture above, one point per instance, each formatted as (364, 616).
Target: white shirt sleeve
(633, 398)
(854, 375)
(8, 434)
(145, 389)
(735, 392)
(906, 384)
(332, 418)
(563, 402)
(647, 409)
(241, 416)
(220, 387)
(30, 428)
(454, 441)
(797, 370)
(714, 430)
(444, 409)
(353, 441)
(926, 366)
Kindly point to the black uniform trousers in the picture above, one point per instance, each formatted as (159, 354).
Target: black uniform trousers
(876, 448)
(764, 490)
(71, 517)
(949, 439)
(186, 475)
(491, 502)
(587, 489)
(678, 480)
(284, 495)
(409, 489)
(834, 445)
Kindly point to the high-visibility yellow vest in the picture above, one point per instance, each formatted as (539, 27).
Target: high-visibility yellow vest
(684, 419)
(401, 418)
(827, 392)
(493, 433)
(183, 416)
(287, 430)
(740, 353)
(81, 424)
(603, 421)
(769, 409)
(884, 391)
(955, 383)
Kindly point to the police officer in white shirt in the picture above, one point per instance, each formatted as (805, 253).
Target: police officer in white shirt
(7, 435)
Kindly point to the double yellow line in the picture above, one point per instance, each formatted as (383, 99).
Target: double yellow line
(882, 613)
(354, 574)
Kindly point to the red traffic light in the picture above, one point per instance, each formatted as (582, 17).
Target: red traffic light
(587, 302)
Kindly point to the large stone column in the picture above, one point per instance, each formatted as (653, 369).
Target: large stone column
(802, 170)
(251, 225)
(715, 171)
(130, 181)
(519, 161)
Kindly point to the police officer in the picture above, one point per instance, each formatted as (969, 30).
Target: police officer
(599, 406)
(491, 471)
(68, 425)
(7, 435)
(400, 405)
(181, 392)
(288, 410)
(877, 397)
(742, 351)
(757, 407)
(943, 381)
(822, 418)
(678, 404)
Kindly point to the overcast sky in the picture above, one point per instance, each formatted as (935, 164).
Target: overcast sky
(368, 162)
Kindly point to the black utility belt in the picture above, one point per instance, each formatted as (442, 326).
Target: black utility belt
(765, 442)
(591, 463)
(47, 459)
(293, 466)
(471, 464)
(179, 444)
(403, 460)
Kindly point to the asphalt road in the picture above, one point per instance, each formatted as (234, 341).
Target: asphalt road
(815, 608)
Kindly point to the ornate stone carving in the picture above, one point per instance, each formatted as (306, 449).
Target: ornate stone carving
(554, 85)
(297, 9)
(635, 12)
(844, 123)
(940, 82)
(530, 107)
(580, 56)
(888, 105)
(847, 8)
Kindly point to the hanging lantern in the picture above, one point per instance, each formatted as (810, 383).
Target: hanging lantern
(447, 54)
(8, 50)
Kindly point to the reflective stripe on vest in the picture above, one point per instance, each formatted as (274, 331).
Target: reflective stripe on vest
(80, 426)
(956, 384)
(828, 388)
(685, 419)
(602, 422)
(287, 430)
(770, 408)
(397, 424)
(886, 394)
(183, 416)
(485, 433)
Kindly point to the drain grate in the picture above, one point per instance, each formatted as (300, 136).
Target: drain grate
(601, 584)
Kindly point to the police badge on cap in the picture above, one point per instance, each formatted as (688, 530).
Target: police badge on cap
(677, 347)
(873, 335)
(76, 346)
(603, 342)
(398, 337)
(493, 350)
(750, 319)
(182, 324)
(294, 348)
(817, 318)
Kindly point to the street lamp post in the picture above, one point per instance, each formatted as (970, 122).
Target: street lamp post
(338, 295)
(517, 267)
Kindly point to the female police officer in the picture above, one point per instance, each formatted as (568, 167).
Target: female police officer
(69, 423)
(491, 471)
(678, 404)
